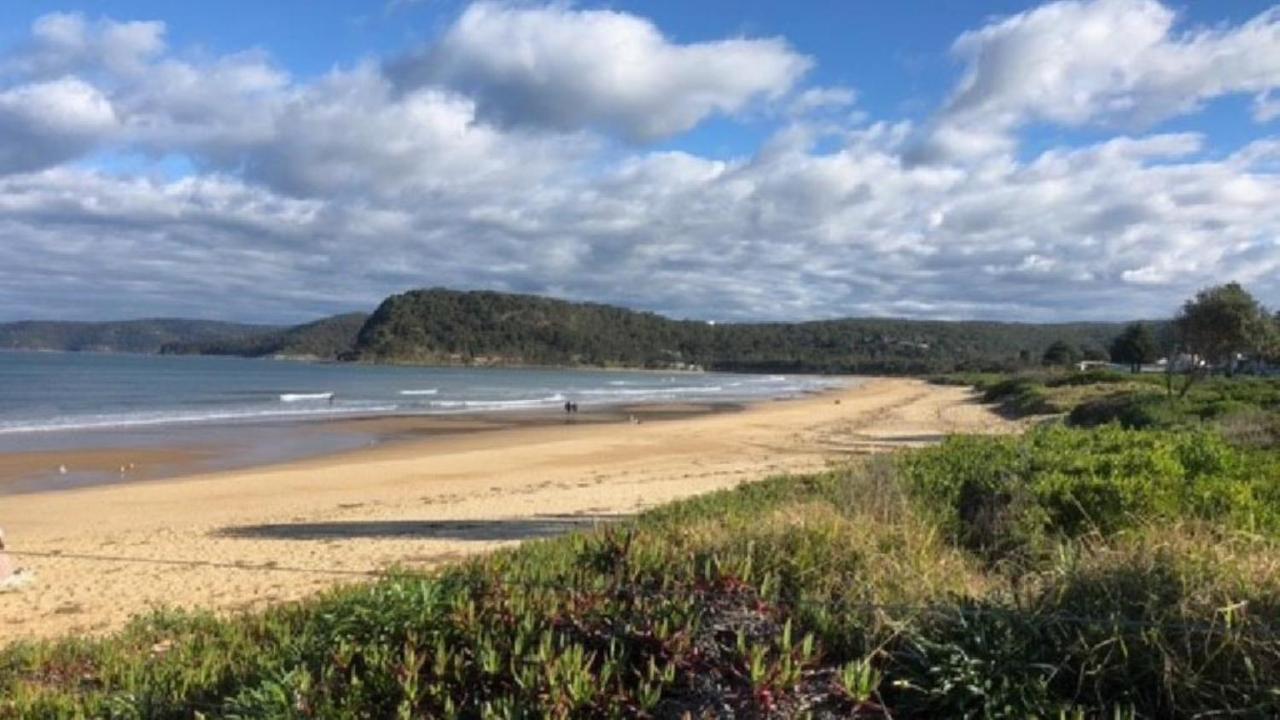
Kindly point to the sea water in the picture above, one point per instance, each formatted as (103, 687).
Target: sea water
(246, 411)
(65, 392)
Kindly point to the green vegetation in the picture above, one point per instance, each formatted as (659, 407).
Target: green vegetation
(1135, 347)
(1059, 481)
(328, 339)
(1220, 326)
(488, 328)
(444, 326)
(1069, 573)
(1244, 409)
(133, 336)
(1223, 322)
(1045, 392)
(1060, 354)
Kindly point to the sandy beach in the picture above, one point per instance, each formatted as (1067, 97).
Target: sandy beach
(186, 451)
(241, 539)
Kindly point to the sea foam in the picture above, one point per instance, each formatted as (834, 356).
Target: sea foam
(109, 422)
(304, 397)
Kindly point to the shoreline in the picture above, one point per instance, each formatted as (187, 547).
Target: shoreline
(252, 416)
(245, 539)
(135, 459)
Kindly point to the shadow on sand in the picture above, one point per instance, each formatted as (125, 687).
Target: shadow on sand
(474, 530)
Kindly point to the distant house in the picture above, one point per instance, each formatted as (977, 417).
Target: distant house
(1240, 364)
(1180, 362)
(1086, 365)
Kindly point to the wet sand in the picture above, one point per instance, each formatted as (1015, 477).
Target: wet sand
(133, 456)
(242, 539)
(43, 470)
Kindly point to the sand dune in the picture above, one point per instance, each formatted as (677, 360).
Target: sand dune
(243, 539)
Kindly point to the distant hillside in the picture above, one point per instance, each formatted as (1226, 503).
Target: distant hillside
(134, 336)
(449, 327)
(487, 328)
(326, 339)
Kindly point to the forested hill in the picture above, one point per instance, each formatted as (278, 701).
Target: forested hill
(487, 328)
(134, 336)
(326, 339)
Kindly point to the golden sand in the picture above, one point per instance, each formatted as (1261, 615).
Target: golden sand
(243, 539)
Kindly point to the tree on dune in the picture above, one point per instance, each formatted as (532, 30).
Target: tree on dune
(1220, 325)
(1135, 347)
(1060, 354)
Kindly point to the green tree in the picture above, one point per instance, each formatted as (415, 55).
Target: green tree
(1135, 347)
(1271, 353)
(1060, 354)
(1093, 351)
(1218, 325)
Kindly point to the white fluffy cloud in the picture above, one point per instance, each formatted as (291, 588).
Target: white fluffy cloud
(65, 42)
(1110, 62)
(44, 123)
(107, 84)
(316, 196)
(573, 69)
(352, 133)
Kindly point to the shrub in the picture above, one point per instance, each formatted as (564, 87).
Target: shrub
(1020, 395)
(1250, 428)
(1131, 410)
(1088, 377)
(991, 493)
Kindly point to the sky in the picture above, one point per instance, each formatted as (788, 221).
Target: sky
(737, 160)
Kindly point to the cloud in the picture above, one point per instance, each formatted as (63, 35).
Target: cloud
(351, 133)
(822, 98)
(309, 196)
(1120, 229)
(216, 107)
(571, 69)
(1266, 107)
(66, 42)
(92, 83)
(45, 123)
(1097, 62)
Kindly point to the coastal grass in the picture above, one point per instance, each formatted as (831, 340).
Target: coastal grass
(1068, 573)
(1043, 392)
(1246, 409)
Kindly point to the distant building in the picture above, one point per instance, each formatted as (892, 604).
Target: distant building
(1180, 362)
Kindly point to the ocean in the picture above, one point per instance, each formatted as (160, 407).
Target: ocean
(71, 401)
